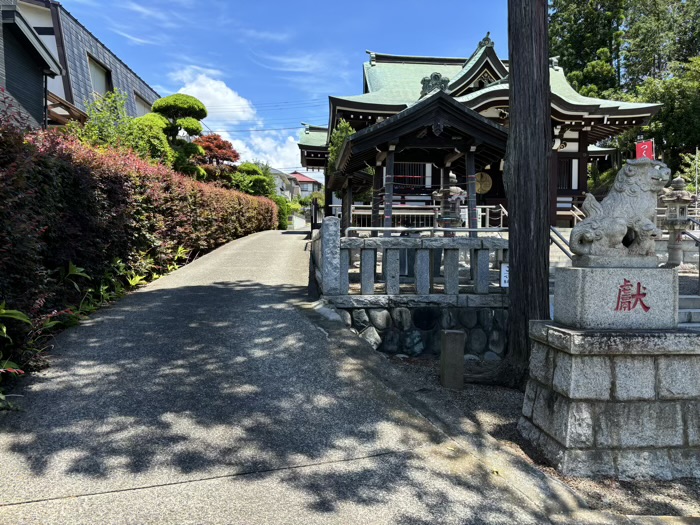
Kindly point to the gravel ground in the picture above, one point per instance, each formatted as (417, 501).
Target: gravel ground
(496, 411)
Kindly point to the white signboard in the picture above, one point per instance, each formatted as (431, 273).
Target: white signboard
(505, 275)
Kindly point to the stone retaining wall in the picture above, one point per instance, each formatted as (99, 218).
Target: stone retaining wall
(415, 331)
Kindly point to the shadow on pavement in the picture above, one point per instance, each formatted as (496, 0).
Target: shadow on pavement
(227, 379)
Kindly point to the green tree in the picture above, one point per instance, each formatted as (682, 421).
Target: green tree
(250, 178)
(687, 31)
(689, 169)
(578, 34)
(649, 40)
(109, 124)
(342, 131)
(676, 127)
(597, 76)
(183, 114)
(282, 211)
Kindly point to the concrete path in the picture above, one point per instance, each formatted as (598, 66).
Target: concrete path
(210, 397)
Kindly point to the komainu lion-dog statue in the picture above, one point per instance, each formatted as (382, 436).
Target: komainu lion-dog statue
(623, 224)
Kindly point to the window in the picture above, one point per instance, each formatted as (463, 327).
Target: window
(100, 77)
(409, 173)
(565, 172)
(142, 106)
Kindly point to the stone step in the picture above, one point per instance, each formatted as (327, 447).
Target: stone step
(689, 302)
(689, 316)
(690, 326)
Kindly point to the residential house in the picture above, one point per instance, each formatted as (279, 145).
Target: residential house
(419, 119)
(286, 185)
(87, 67)
(26, 66)
(307, 184)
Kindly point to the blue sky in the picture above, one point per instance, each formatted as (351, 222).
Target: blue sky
(269, 65)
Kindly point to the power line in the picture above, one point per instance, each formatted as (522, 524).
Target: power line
(252, 130)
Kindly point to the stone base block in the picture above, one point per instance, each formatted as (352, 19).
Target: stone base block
(608, 298)
(630, 409)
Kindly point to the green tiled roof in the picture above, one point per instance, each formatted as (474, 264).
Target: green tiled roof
(561, 87)
(314, 136)
(401, 83)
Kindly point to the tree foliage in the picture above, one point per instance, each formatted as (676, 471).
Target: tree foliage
(341, 132)
(640, 51)
(108, 124)
(180, 113)
(216, 149)
(585, 32)
(676, 128)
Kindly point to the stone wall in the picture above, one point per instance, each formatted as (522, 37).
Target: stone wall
(415, 331)
(615, 403)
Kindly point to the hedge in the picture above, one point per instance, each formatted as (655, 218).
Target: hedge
(65, 203)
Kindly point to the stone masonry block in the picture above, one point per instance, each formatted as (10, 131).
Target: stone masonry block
(691, 409)
(541, 363)
(529, 402)
(644, 464)
(587, 463)
(635, 378)
(570, 423)
(679, 377)
(582, 377)
(639, 424)
(643, 298)
(686, 462)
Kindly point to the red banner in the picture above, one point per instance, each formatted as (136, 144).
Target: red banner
(645, 149)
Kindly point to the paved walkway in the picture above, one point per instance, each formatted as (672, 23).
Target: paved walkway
(209, 397)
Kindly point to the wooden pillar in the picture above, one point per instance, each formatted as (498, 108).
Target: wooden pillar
(376, 197)
(445, 190)
(553, 186)
(347, 208)
(583, 161)
(389, 189)
(471, 188)
(328, 198)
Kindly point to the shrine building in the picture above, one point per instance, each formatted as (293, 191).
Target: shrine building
(420, 118)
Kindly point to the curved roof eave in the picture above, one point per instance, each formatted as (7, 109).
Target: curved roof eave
(482, 56)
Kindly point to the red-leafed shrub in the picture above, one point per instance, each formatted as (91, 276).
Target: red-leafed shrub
(64, 203)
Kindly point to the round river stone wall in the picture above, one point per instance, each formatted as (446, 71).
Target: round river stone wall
(416, 331)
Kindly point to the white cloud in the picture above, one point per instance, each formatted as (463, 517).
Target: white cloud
(269, 36)
(225, 106)
(227, 109)
(162, 16)
(138, 40)
(279, 150)
(317, 73)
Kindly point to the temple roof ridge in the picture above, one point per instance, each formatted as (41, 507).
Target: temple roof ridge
(411, 59)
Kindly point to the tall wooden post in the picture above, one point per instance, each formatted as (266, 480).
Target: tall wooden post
(527, 179)
(445, 190)
(471, 188)
(347, 208)
(389, 189)
(376, 197)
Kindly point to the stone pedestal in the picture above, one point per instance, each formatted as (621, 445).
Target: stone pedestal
(605, 298)
(615, 403)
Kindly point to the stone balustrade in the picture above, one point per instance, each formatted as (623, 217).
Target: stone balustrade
(439, 274)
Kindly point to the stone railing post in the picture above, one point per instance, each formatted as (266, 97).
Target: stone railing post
(330, 259)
